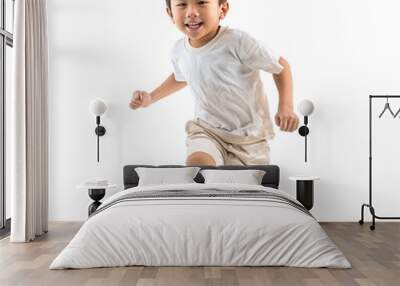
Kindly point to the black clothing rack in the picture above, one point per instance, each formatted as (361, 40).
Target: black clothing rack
(370, 205)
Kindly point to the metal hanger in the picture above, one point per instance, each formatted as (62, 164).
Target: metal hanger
(397, 113)
(387, 107)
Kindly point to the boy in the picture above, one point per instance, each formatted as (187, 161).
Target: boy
(221, 65)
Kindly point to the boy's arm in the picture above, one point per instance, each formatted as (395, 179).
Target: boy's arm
(286, 119)
(142, 98)
(169, 86)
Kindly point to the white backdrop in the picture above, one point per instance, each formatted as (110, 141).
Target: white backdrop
(340, 52)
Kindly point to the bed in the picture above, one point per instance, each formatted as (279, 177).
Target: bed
(201, 224)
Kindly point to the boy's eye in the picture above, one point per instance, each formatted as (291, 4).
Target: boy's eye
(202, 2)
(182, 4)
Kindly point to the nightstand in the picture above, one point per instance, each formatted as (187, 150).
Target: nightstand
(96, 193)
(305, 190)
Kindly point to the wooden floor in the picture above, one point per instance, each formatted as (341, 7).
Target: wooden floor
(374, 255)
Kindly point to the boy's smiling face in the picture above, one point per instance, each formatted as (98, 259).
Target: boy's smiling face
(198, 19)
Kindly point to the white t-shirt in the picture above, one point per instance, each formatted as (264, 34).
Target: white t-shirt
(224, 76)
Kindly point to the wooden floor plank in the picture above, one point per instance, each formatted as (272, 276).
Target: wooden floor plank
(374, 255)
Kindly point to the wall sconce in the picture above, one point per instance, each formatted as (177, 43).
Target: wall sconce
(306, 107)
(97, 107)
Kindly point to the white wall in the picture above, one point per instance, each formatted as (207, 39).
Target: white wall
(340, 52)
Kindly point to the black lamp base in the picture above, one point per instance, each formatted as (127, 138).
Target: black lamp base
(100, 130)
(304, 131)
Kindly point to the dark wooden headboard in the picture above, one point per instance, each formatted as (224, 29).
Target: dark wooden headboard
(270, 179)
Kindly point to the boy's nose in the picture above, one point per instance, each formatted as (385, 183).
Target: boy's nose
(192, 11)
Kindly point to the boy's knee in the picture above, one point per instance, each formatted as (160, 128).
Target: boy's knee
(200, 159)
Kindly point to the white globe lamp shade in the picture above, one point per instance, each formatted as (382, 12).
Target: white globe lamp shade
(306, 107)
(97, 107)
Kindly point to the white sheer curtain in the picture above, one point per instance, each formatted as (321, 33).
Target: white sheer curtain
(28, 121)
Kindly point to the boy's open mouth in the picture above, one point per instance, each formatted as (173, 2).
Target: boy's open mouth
(194, 26)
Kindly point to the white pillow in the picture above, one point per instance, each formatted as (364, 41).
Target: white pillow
(248, 177)
(164, 176)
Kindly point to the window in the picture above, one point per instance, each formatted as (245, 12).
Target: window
(6, 44)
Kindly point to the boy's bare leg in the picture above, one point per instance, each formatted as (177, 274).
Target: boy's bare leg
(200, 159)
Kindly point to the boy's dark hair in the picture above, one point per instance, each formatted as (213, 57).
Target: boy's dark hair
(169, 2)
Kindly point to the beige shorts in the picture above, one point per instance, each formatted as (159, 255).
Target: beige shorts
(225, 148)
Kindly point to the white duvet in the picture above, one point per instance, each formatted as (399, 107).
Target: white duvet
(200, 231)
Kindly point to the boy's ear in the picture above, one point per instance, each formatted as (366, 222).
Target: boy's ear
(224, 9)
(169, 12)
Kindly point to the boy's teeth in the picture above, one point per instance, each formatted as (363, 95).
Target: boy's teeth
(194, 26)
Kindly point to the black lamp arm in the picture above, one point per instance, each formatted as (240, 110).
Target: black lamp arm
(304, 131)
(100, 131)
